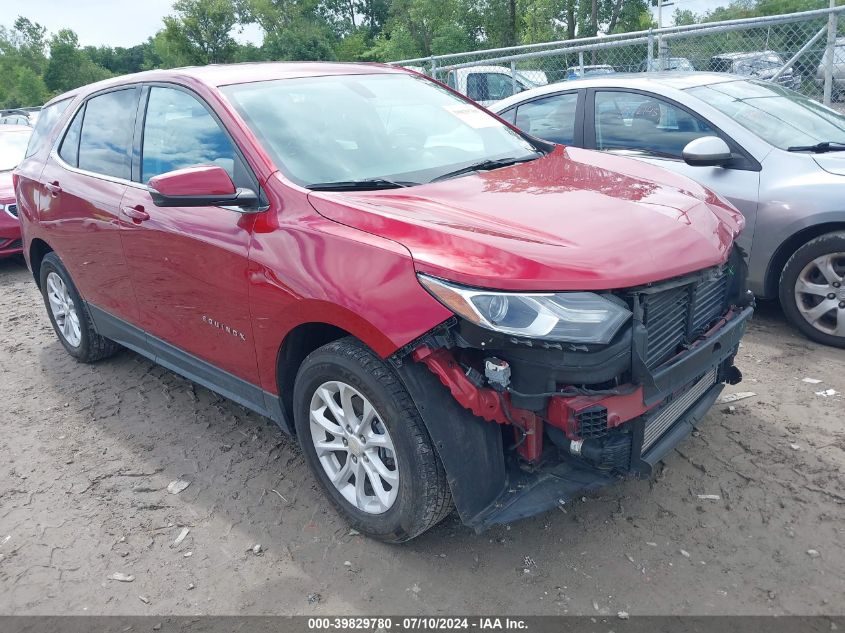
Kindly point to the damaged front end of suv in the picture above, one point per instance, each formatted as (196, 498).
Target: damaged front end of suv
(533, 398)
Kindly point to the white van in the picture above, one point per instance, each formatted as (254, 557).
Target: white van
(487, 84)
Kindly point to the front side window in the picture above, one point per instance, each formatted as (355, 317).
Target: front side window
(551, 118)
(356, 127)
(106, 138)
(180, 132)
(778, 115)
(44, 125)
(632, 121)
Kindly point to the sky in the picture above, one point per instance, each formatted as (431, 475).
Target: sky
(111, 22)
(129, 22)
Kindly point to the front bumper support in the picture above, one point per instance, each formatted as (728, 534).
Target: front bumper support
(489, 488)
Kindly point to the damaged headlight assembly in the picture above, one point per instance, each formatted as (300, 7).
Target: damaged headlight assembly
(574, 317)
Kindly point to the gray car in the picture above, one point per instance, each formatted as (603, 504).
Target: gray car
(776, 155)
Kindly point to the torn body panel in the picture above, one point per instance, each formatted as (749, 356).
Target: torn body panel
(569, 435)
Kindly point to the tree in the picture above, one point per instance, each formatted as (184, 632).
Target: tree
(296, 29)
(29, 88)
(201, 31)
(31, 43)
(69, 67)
(684, 17)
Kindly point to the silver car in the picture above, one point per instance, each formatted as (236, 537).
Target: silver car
(776, 155)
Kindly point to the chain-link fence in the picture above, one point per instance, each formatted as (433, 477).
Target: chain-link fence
(803, 51)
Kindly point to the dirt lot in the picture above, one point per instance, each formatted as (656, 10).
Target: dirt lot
(86, 454)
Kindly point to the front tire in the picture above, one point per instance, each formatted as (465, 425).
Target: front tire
(812, 289)
(69, 314)
(364, 440)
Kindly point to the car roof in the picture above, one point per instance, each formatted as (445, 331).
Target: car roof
(678, 80)
(227, 74)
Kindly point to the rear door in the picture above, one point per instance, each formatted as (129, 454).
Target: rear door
(557, 117)
(189, 265)
(656, 130)
(85, 179)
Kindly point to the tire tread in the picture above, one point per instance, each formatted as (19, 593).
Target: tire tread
(98, 347)
(826, 243)
(437, 504)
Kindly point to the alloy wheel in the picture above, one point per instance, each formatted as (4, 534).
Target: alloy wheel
(64, 310)
(820, 293)
(354, 447)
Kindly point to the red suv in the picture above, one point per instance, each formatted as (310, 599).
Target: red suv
(445, 311)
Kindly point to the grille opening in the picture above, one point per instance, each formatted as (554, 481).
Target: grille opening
(592, 422)
(677, 316)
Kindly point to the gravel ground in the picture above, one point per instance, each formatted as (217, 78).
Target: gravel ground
(87, 452)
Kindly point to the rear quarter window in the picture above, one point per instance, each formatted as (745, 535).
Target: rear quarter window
(44, 126)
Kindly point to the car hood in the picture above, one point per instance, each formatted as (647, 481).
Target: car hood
(7, 189)
(572, 220)
(833, 163)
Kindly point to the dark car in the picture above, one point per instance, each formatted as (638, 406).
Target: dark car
(756, 64)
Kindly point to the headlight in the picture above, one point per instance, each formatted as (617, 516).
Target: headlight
(577, 317)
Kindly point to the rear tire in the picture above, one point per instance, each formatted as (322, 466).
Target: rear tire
(391, 484)
(812, 289)
(69, 314)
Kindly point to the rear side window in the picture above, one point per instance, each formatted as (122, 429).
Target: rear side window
(180, 132)
(106, 138)
(69, 150)
(46, 121)
(551, 118)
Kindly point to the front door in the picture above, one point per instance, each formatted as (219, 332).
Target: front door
(189, 265)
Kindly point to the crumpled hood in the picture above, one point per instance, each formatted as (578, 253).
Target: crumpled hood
(833, 163)
(573, 220)
(7, 190)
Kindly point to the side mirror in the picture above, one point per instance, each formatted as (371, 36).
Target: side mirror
(200, 186)
(707, 151)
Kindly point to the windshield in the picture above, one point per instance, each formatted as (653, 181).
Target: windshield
(777, 115)
(363, 127)
(12, 147)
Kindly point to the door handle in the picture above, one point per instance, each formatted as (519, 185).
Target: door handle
(53, 188)
(136, 213)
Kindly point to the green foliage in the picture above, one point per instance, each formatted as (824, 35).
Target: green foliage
(684, 17)
(69, 66)
(201, 31)
(36, 65)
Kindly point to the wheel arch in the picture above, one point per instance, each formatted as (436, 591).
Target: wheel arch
(788, 247)
(38, 249)
(296, 346)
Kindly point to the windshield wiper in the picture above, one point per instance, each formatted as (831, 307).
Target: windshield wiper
(819, 148)
(484, 165)
(368, 184)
